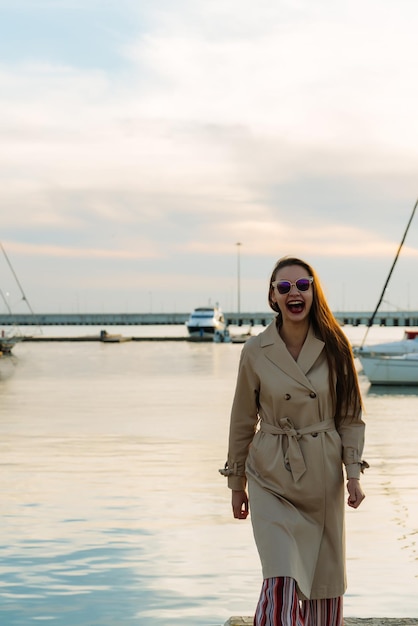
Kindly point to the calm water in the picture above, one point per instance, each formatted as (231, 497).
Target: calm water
(112, 509)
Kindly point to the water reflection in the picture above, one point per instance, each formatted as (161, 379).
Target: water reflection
(8, 365)
(93, 586)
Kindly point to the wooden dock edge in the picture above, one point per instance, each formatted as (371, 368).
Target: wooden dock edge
(348, 621)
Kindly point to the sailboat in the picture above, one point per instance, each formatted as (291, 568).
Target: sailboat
(383, 369)
(11, 336)
(394, 363)
(8, 342)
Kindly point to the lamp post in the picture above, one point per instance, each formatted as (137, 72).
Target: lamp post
(238, 277)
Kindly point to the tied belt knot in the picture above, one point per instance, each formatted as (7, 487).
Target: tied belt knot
(293, 457)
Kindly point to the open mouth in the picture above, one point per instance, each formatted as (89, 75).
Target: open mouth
(295, 306)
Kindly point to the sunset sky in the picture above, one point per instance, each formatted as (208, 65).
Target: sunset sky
(141, 140)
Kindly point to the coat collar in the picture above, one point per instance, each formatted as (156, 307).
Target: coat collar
(276, 351)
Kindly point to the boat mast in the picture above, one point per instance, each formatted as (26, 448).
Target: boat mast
(16, 279)
(371, 320)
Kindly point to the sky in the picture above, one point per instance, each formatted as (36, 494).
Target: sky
(142, 140)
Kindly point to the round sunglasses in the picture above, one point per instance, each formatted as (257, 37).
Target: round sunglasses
(284, 286)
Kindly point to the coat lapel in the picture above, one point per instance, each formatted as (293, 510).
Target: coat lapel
(310, 352)
(276, 351)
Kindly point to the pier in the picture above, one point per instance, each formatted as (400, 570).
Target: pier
(263, 318)
(348, 621)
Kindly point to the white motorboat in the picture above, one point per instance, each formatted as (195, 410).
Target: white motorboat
(241, 337)
(204, 322)
(407, 345)
(231, 337)
(383, 369)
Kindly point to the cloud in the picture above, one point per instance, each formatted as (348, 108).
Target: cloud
(288, 124)
(324, 239)
(144, 251)
(322, 78)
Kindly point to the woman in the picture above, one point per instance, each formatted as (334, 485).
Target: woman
(295, 421)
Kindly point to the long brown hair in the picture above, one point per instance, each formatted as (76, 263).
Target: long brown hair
(343, 380)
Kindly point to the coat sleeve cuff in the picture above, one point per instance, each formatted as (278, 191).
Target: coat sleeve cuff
(353, 462)
(353, 470)
(236, 478)
(237, 483)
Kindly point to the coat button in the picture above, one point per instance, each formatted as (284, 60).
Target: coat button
(287, 396)
(312, 394)
(314, 434)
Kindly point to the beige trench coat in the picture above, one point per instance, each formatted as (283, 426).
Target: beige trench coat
(283, 441)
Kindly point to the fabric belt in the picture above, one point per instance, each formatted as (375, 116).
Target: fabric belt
(294, 458)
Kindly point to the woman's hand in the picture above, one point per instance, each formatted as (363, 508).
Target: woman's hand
(240, 504)
(355, 493)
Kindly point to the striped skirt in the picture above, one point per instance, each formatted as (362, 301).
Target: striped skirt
(279, 605)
